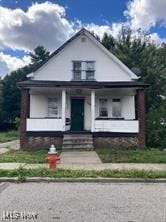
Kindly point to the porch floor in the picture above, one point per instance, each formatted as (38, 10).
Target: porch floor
(79, 157)
(78, 132)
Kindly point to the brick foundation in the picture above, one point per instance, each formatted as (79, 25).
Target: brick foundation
(118, 142)
(42, 142)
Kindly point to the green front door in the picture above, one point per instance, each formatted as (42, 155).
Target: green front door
(77, 114)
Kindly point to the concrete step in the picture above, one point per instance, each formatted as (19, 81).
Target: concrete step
(77, 142)
(78, 149)
(77, 137)
(77, 145)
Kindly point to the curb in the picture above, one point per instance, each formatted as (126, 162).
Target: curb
(84, 180)
(9, 179)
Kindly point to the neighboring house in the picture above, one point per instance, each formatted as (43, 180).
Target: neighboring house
(83, 89)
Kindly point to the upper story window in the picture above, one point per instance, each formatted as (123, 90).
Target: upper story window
(77, 69)
(116, 108)
(53, 107)
(83, 70)
(103, 107)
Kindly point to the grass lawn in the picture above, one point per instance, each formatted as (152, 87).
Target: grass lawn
(106, 155)
(22, 173)
(24, 156)
(9, 136)
(131, 155)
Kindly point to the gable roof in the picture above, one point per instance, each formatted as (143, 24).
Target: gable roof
(83, 31)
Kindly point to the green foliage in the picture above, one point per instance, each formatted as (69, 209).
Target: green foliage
(109, 42)
(148, 61)
(23, 173)
(17, 122)
(11, 94)
(156, 126)
(24, 156)
(8, 136)
(39, 55)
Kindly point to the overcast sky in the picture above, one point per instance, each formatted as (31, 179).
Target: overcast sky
(27, 24)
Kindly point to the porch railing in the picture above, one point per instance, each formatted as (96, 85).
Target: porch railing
(44, 124)
(120, 126)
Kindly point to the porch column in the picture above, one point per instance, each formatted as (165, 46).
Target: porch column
(141, 116)
(63, 109)
(92, 110)
(25, 109)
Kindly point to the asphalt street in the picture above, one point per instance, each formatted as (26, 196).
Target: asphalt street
(81, 202)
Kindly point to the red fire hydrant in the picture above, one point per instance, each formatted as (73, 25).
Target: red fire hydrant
(52, 157)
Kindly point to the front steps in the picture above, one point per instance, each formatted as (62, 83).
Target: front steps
(73, 142)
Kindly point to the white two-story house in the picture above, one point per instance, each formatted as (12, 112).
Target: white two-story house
(82, 90)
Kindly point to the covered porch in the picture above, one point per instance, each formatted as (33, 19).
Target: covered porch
(92, 110)
(49, 109)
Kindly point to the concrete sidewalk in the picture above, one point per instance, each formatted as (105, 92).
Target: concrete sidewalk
(12, 145)
(95, 166)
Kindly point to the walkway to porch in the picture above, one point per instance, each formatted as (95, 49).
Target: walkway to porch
(79, 157)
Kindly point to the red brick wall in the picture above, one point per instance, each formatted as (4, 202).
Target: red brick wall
(141, 116)
(25, 100)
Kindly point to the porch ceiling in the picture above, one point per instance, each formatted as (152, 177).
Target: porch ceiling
(83, 91)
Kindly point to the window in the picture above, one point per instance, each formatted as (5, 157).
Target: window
(90, 70)
(116, 108)
(77, 70)
(52, 107)
(103, 107)
(83, 70)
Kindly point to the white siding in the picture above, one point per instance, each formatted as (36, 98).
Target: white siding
(127, 106)
(59, 68)
(39, 106)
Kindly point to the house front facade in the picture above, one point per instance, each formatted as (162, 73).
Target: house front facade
(83, 89)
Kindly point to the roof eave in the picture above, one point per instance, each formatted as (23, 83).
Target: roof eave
(83, 84)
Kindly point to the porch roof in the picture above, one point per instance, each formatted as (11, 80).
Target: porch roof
(82, 84)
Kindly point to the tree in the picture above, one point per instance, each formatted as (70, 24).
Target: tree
(10, 91)
(109, 42)
(11, 94)
(149, 62)
(39, 56)
(156, 126)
